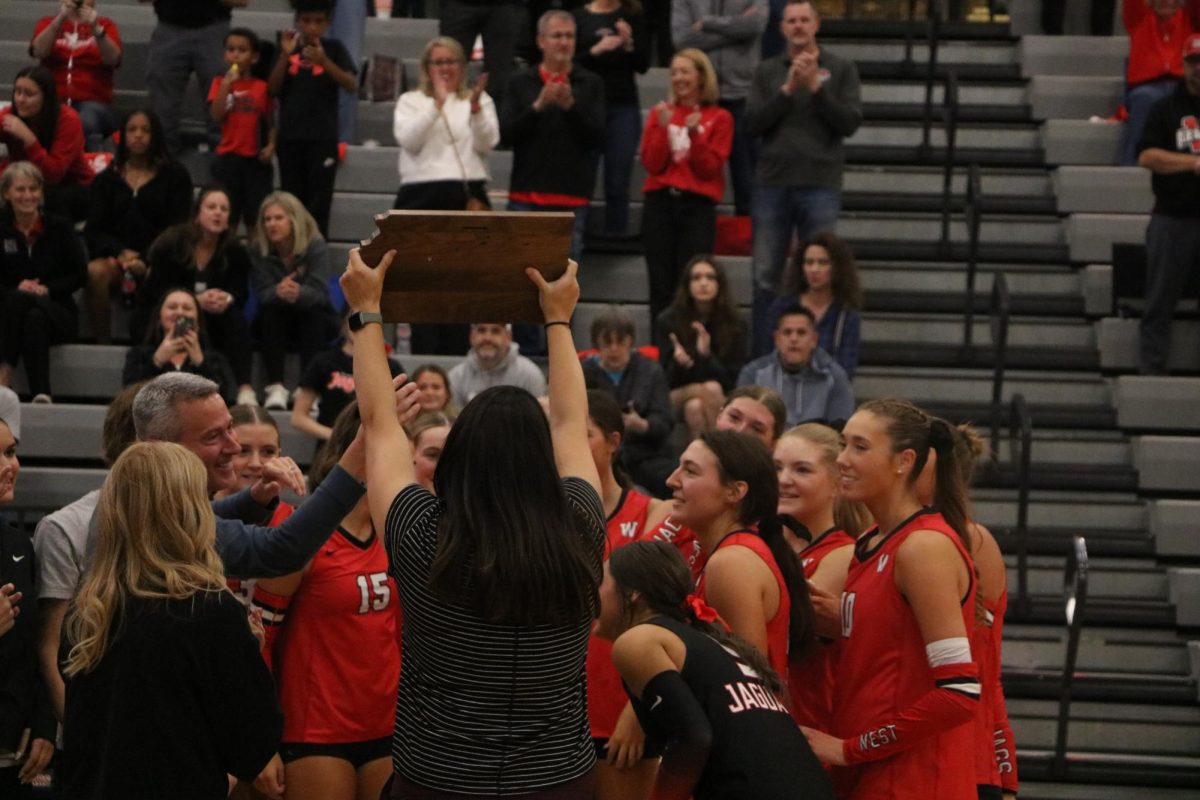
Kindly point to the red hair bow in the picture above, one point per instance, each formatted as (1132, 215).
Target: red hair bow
(700, 609)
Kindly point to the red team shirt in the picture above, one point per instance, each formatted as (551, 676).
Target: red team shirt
(810, 681)
(995, 753)
(346, 607)
(908, 729)
(606, 695)
(248, 107)
(685, 541)
(79, 74)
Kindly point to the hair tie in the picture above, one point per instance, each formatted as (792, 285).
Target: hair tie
(940, 435)
(700, 610)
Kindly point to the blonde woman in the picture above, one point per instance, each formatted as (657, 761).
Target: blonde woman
(289, 273)
(154, 621)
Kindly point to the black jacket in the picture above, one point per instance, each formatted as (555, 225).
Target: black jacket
(24, 702)
(118, 219)
(56, 258)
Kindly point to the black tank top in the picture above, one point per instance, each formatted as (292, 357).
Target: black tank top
(758, 751)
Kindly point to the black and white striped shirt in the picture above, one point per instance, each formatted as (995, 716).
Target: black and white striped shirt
(484, 708)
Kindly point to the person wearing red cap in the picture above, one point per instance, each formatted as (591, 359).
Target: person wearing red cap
(1170, 149)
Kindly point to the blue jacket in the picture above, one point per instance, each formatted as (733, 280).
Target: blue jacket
(818, 390)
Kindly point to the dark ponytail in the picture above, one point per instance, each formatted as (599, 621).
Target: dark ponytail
(741, 457)
(657, 572)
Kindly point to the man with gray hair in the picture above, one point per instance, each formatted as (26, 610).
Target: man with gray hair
(188, 410)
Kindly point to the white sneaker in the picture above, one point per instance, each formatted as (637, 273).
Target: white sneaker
(247, 397)
(277, 397)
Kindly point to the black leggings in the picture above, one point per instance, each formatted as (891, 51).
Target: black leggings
(29, 324)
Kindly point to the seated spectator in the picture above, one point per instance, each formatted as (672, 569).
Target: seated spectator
(445, 130)
(1157, 31)
(39, 129)
(685, 145)
(203, 255)
(240, 102)
(82, 50)
(640, 387)
(427, 435)
(175, 341)
(327, 385)
(141, 194)
(434, 385)
(41, 265)
(823, 278)
(289, 273)
(493, 360)
(184, 644)
(813, 386)
(612, 42)
(701, 343)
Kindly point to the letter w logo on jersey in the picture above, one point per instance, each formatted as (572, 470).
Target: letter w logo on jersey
(1187, 138)
(629, 529)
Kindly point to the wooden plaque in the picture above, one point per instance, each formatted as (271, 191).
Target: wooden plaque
(467, 266)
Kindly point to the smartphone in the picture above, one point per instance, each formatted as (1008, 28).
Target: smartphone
(182, 326)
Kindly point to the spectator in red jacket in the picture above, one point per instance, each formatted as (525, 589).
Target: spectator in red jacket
(1157, 31)
(82, 50)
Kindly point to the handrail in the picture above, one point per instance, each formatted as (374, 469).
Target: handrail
(973, 213)
(998, 318)
(933, 33)
(1075, 585)
(950, 124)
(1020, 427)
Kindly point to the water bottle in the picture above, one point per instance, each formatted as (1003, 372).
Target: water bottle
(403, 345)
(128, 288)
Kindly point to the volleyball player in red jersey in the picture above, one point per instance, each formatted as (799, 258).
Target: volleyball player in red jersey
(624, 768)
(806, 464)
(753, 410)
(338, 708)
(995, 750)
(907, 687)
(726, 491)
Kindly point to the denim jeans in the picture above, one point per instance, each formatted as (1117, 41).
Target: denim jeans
(1172, 254)
(349, 26)
(1138, 100)
(781, 212)
(98, 123)
(742, 156)
(622, 131)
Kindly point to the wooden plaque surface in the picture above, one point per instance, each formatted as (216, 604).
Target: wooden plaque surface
(467, 266)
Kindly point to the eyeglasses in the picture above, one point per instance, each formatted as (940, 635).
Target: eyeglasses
(559, 35)
(445, 62)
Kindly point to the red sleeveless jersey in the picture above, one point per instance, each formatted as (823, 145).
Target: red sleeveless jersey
(883, 671)
(995, 753)
(606, 695)
(685, 541)
(243, 588)
(810, 680)
(777, 626)
(345, 607)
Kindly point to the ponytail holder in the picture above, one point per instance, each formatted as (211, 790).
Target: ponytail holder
(940, 434)
(700, 610)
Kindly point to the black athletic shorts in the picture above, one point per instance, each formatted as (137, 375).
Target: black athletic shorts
(989, 792)
(357, 753)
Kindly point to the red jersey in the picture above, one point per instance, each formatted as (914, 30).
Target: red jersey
(248, 110)
(777, 626)
(907, 728)
(678, 159)
(605, 694)
(685, 541)
(995, 750)
(79, 74)
(244, 588)
(345, 607)
(810, 680)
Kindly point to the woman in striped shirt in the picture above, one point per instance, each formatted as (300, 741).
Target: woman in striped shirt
(497, 573)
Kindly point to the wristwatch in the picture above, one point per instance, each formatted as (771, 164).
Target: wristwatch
(359, 319)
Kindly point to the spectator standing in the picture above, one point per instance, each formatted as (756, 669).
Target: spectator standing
(813, 386)
(82, 50)
(802, 104)
(612, 42)
(187, 39)
(239, 102)
(823, 278)
(701, 342)
(729, 32)
(41, 265)
(308, 74)
(553, 118)
(493, 360)
(203, 256)
(141, 194)
(500, 23)
(1158, 30)
(684, 148)
(348, 24)
(640, 388)
(1170, 149)
(289, 274)
(445, 130)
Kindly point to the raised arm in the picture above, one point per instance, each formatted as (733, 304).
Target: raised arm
(568, 395)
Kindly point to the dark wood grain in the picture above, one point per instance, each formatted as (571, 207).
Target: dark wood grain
(467, 266)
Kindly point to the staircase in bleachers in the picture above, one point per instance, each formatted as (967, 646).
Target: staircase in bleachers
(1115, 455)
